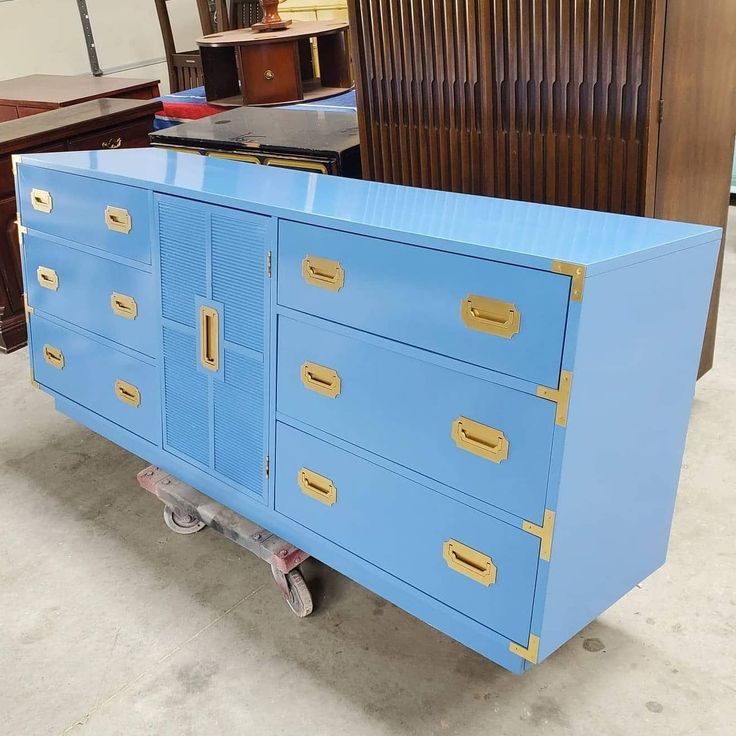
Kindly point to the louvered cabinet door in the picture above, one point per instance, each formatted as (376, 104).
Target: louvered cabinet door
(213, 292)
(238, 268)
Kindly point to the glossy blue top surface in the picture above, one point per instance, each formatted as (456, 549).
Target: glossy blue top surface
(516, 232)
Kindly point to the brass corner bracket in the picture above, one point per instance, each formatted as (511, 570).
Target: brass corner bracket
(529, 653)
(561, 396)
(21, 229)
(576, 272)
(544, 533)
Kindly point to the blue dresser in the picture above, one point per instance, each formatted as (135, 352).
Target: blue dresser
(477, 408)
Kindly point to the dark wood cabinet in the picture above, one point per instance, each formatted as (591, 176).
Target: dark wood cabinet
(114, 123)
(617, 105)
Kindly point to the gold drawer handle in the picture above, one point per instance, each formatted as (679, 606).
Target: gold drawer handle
(41, 200)
(209, 338)
(321, 379)
(246, 157)
(469, 562)
(481, 313)
(297, 163)
(48, 278)
(323, 272)
(118, 220)
(123, 305)
(113, 143)
(53, 356)
(317, 486)
(127, 393)
(480, 439)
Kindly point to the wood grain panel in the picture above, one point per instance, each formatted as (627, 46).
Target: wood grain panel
(417, 65)
(697, 132)
(540, 100)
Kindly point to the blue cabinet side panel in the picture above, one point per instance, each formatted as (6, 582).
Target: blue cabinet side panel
(238, 267)
(639, 343)
(182, 235)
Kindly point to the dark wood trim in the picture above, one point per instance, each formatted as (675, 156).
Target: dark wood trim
(87, 117)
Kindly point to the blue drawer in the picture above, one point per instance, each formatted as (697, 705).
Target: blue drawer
(103, 296)
(507, 318)
(404, 529)
(407, 410)
(116, 386)
(99, 214)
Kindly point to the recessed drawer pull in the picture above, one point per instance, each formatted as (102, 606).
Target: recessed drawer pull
(209, 338)
(124, 305)
(48, 278)
(118, 220)
(480, 439)
(481, 313)
(53, 356)
(321, 379)
(41, 200)
(296, 163)
(246, 157)
(127, 393)
(317, 486)
(469, 562)
(323, 272)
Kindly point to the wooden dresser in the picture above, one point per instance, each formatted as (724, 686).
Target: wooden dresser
(615, 105)
(36, 93)
(98, 124)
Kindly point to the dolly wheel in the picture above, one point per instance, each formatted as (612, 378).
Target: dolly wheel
(299, 599)
(180, 522)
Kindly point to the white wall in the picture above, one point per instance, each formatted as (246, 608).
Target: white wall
(45, 36)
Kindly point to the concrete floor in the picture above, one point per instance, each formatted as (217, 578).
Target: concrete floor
(110, 624)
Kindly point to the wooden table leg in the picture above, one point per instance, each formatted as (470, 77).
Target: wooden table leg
(333, 60)
(220, 69)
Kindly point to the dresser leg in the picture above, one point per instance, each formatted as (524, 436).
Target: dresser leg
(13, 333)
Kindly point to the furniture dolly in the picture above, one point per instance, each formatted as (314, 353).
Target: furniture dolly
(187, 511)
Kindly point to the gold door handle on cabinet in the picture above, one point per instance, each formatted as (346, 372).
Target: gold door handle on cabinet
(47, 277)
(494, 317)
(317, 486)
(118, 219)
(53, 356)
(123, 305)
(127, 393)
(209, 338)
(321, 379)
(41, 200)
(469, 562)
(480, 439)
(323, 272)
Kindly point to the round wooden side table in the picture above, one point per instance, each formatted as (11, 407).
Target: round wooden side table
(243, 67)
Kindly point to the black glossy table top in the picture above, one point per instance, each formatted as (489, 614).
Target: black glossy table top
(274, 129)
